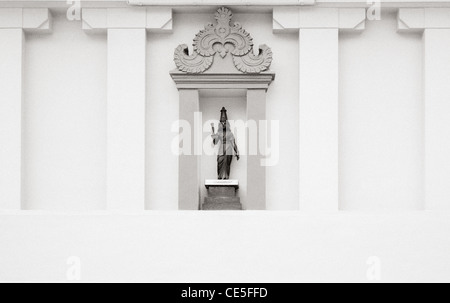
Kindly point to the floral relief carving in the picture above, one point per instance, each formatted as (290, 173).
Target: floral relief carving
(192, 64)
(254, 64)
(223, 38)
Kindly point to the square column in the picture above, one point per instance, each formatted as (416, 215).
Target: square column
(13, 23)
(318, 97)
(11, 66)
(319, 120)
(126, 119)
(437, 118)
(435, 25)
(126, 143)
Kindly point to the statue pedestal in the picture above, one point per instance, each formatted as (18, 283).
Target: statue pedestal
(222, 195)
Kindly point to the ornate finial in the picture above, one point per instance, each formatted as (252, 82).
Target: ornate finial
(223, 38)
(223, 115)
(223, 14)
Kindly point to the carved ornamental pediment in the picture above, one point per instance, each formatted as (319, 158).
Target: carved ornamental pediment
(224, 39)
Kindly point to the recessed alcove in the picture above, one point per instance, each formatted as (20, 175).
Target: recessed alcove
(235, 101)
(216, 86)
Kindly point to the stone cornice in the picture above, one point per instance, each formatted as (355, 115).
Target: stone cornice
(28, 19)
(232, 4)
(287, 20)
(278, 3)
(419, 19)
(222, 81)
(155, 19)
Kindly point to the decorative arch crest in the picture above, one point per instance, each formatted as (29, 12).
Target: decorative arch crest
(223, 38)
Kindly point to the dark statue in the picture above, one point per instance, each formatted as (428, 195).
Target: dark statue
(227, 146)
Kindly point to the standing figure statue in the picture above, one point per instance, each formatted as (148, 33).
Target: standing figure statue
(227, 146)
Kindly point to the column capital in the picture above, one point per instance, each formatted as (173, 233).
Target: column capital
(419, 19)
(99, 20)
(286, 19)
(28, 19)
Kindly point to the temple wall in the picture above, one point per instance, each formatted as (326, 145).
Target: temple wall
(362, 171)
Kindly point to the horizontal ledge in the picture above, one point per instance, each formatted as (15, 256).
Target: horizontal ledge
(151, 19)
(298, 3)
(221, 86)
(211, 3)
(222, 183)
(28, 19)
(226, 81)
(247, 213)
(223, 3)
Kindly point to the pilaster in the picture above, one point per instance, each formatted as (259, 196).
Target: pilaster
(435, 25)
(318, 30)
(14, 22)
(127, 42)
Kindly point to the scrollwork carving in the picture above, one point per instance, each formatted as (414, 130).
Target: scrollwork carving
(223, 39)
(193, 64)
(251, 64)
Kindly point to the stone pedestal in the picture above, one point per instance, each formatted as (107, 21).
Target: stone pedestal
(222, 195)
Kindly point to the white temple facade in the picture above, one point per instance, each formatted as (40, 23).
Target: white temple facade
(348, 166)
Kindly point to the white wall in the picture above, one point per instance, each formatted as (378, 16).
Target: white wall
(381, 118)
(223, 247)
(65, 110)
(64, 117)
(381, 133)
(162, 109)
(381, 130)
(381, 163)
